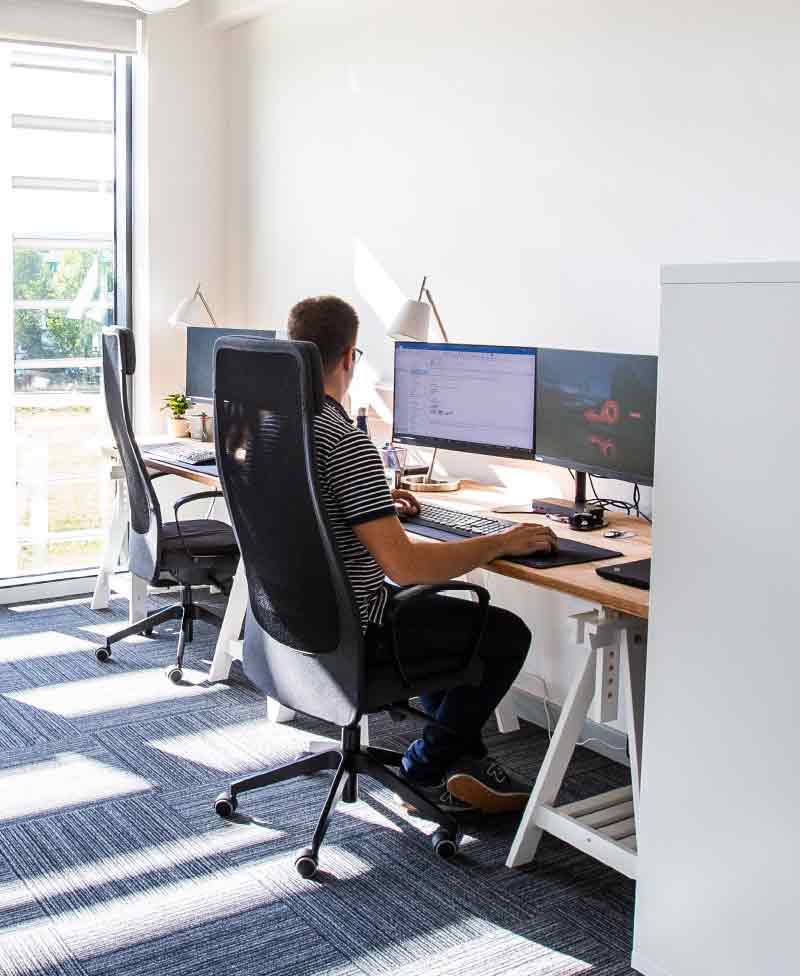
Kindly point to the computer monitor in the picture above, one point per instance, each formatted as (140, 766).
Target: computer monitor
(200, 357)
(479, 399)
(596, 414)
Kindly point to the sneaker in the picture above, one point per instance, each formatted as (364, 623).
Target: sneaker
(439, 796)
(486, 786)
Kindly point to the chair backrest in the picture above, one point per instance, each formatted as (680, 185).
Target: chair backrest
(303, 640)
(119, 362)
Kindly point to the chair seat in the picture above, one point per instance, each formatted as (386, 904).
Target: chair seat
(207, 537)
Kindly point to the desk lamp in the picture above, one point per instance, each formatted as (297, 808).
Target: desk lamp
(412, 323)
(181, 314)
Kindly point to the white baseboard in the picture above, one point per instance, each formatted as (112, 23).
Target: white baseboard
(42, 588)
(530, 706)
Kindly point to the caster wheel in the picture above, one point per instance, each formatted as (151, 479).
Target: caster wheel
(103, 654)
(306, 863)
(175, 675)
(445, 844)
(225, 805)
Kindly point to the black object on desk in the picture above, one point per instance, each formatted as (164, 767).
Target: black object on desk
(570, 553)
(636, 573)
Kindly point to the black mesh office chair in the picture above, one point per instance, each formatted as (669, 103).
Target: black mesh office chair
(303, 643)
(192, 552)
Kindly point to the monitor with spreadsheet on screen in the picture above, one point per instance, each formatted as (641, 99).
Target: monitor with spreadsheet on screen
(474, 398)
(200, 357)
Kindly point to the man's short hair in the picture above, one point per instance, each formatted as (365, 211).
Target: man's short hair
(328, 322)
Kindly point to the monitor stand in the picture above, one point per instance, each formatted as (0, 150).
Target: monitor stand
(537, 507)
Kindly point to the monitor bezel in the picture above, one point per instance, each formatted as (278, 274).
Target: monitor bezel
(594, 470)
(464, 447)
(220, 330)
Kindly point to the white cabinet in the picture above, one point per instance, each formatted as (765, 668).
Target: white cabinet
(719, 838)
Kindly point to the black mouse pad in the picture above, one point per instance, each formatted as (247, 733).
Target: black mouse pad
(569, 554)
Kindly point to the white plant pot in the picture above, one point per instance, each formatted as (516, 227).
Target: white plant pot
(179, 427)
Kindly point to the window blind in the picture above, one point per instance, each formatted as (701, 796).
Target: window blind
(74, 23)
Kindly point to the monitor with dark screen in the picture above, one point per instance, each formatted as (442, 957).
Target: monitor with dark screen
(596, 412)
(200, 357)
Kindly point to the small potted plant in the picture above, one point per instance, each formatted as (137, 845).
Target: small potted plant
(177, 404)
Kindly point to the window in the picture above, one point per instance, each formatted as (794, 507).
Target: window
(61, 133)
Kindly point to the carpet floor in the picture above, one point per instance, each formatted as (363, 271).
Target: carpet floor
(112, 859)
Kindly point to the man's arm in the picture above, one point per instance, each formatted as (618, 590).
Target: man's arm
(406, 562)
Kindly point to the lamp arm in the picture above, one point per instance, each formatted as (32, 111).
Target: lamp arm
(436, 314)
(202, 298)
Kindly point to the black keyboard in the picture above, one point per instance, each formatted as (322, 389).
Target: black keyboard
(462, 524)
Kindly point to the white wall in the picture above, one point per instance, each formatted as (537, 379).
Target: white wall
(179, 195)
(179, 203)
(719, 847)
(539, 160)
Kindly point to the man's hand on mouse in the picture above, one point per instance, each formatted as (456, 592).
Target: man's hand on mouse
(523, 539)
(406, 505)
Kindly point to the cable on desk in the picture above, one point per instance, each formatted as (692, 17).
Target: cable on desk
(627, 507)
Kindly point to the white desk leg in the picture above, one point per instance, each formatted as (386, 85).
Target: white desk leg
(556, 760)
(634, 662)
(228, 645)
(506, 714)
(279, 713)
(113, 545)
(231, 627)
(137, 608)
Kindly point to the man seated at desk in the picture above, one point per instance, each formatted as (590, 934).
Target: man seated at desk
(452, 767)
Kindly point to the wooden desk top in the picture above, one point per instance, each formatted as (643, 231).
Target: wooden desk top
(580, 580)
(203, 474)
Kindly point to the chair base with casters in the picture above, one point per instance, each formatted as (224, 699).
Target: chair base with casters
(187, 611)
(347, 763)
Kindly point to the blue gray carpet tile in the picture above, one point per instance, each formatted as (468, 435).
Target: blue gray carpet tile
(112, 859)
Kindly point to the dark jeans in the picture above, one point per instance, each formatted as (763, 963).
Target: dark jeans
(441, 626)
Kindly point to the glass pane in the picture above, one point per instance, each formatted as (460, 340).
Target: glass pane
(68, 379)
(55, 495)
(85, 93)
(61, 212)
(72, 155)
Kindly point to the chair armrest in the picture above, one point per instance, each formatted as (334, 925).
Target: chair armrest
(410, 595)
(197, 496)
(214, 493)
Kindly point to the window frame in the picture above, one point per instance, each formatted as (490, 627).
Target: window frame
(63, 583)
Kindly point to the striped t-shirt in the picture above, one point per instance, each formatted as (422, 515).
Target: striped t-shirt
(354, 491)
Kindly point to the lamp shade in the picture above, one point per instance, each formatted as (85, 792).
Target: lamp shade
(181, 314)
(411, 322)
(184, 313)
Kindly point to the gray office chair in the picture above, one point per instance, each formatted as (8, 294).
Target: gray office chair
(303, 642)
(191, 552)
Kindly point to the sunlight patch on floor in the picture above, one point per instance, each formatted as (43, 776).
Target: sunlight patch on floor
(92, 696)
(43, 643)
(61, 781)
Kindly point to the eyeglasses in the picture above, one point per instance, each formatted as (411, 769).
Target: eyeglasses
(357, 354)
